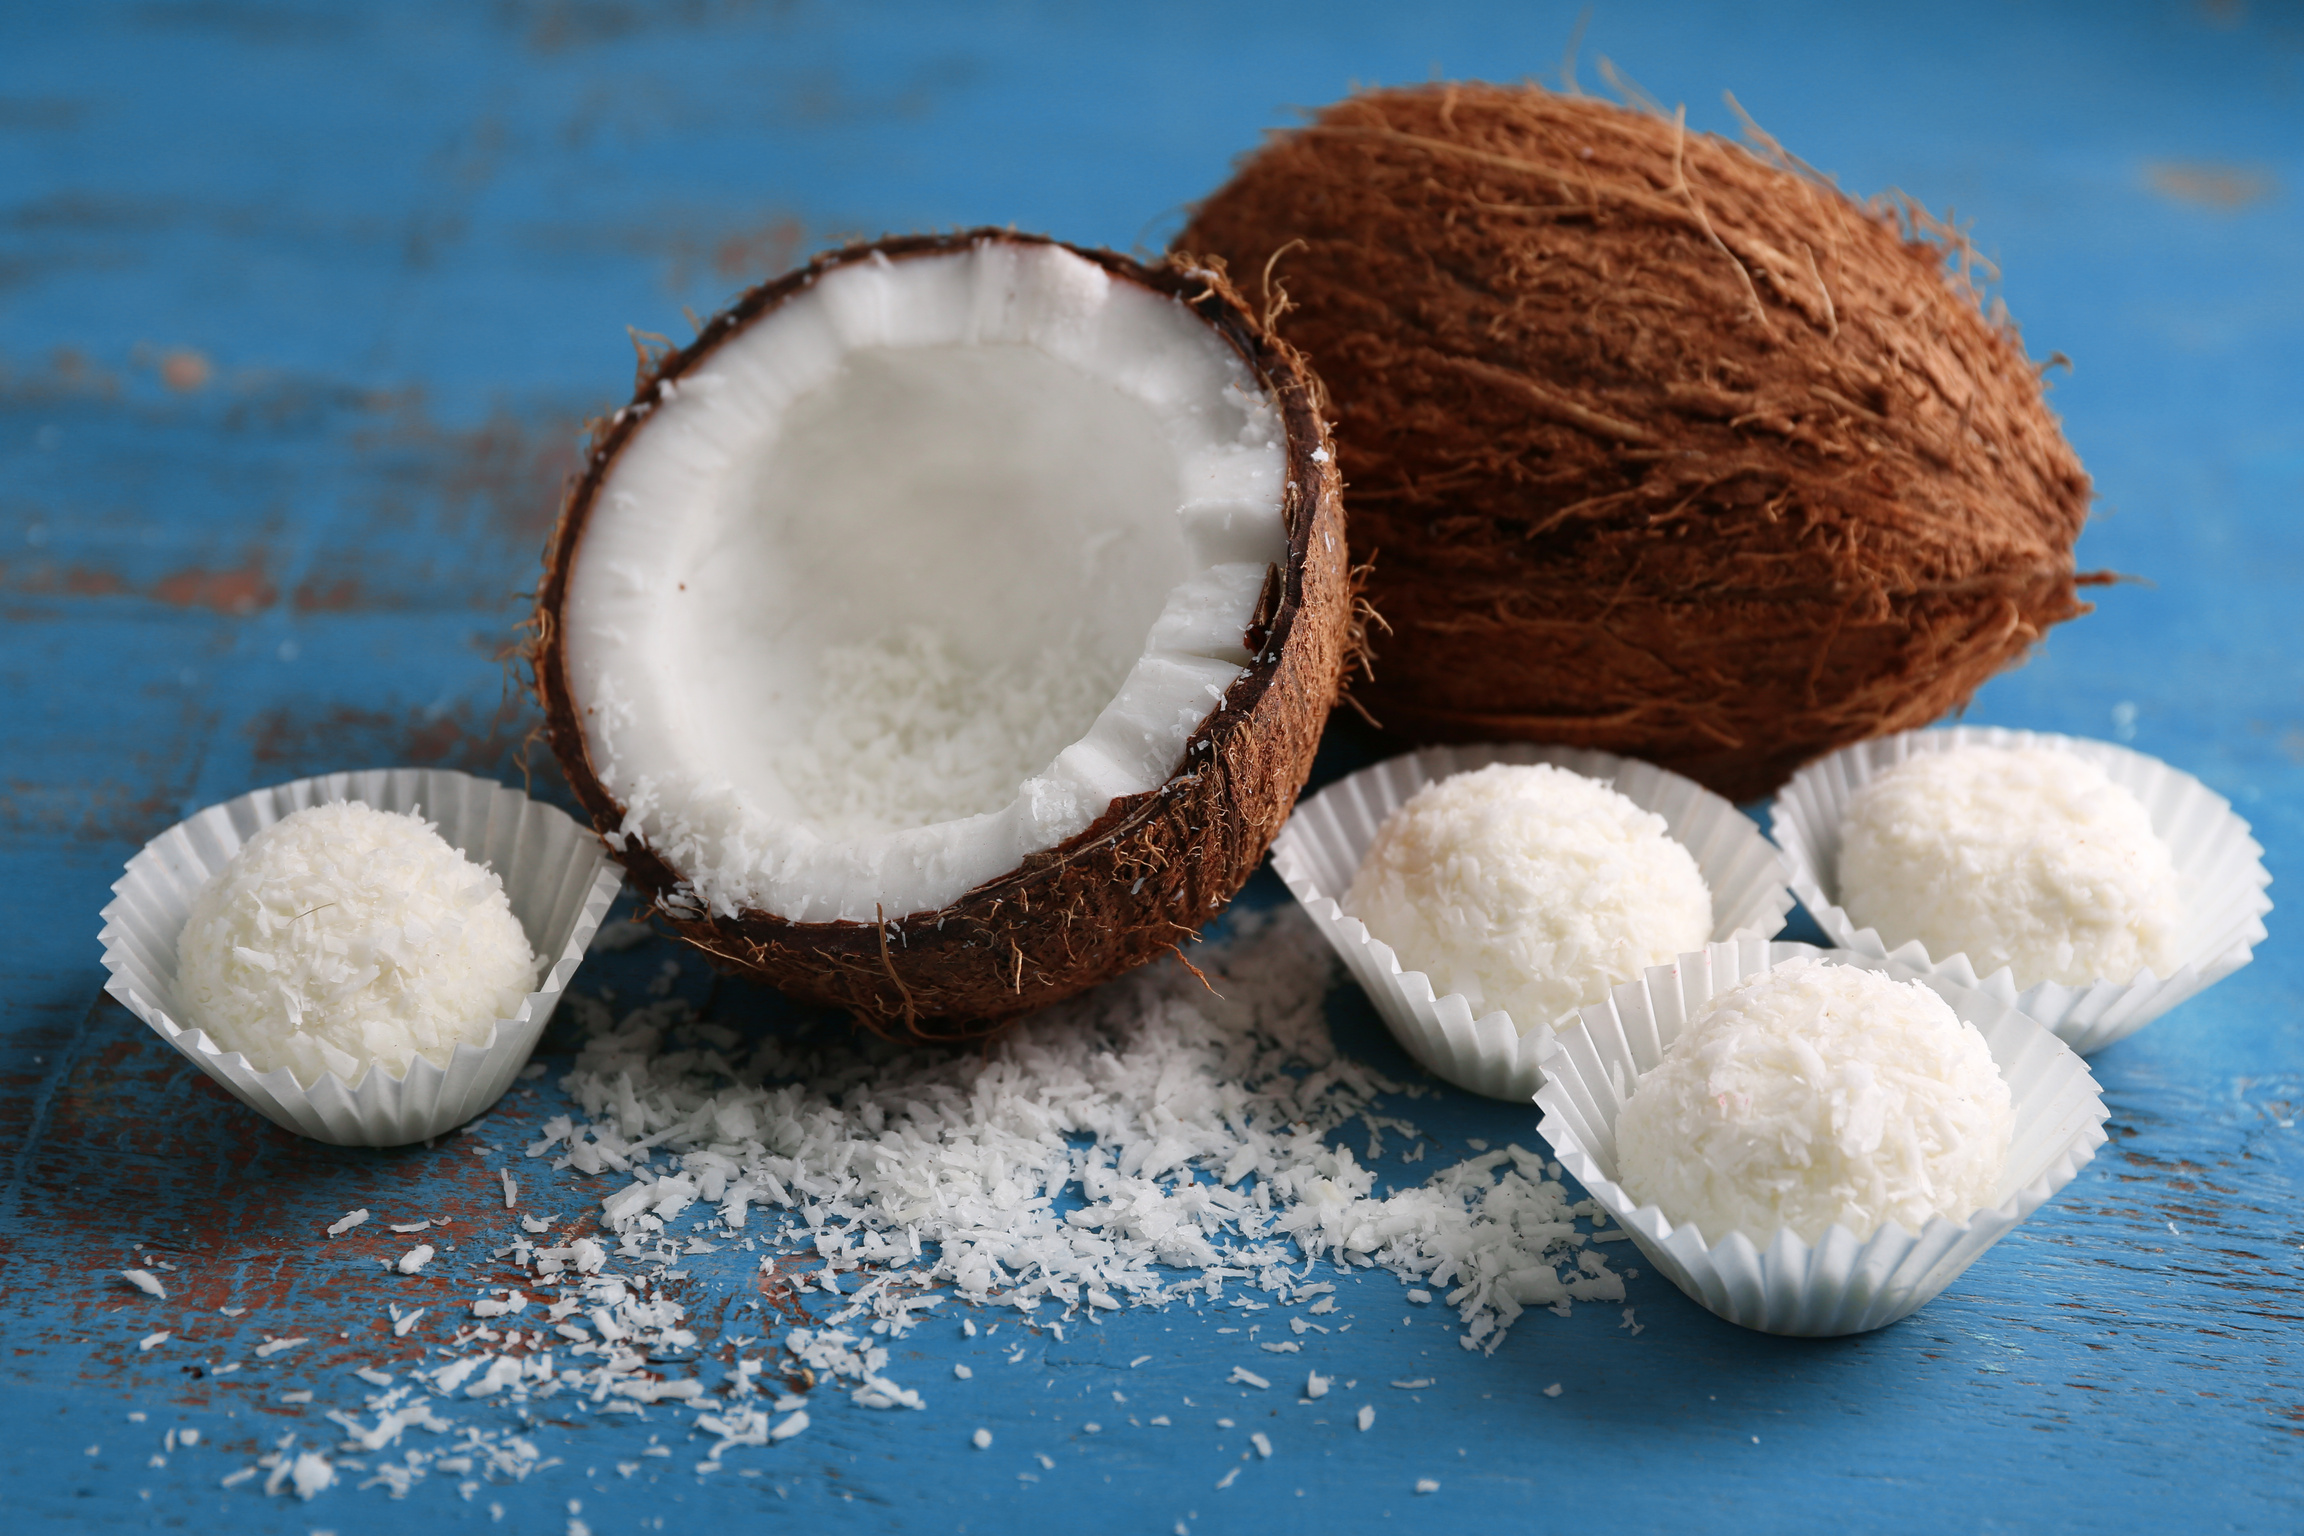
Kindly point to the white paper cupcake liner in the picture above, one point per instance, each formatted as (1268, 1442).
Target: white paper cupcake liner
(554, 871)
(1319, 850)
(1773, 1281)
(2221, 864)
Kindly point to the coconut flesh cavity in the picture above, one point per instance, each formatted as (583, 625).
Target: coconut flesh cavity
(908, 573)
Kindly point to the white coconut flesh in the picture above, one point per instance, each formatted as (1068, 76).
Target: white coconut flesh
(913, 576)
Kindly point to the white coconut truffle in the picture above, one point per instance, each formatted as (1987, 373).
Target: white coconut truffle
(343, 935)
(1529, 888)
(2029, 858)
(1812, 1094)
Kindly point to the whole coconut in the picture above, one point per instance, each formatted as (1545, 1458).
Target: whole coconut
(1658, 446)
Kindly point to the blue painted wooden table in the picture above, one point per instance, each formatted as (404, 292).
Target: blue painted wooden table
(301, 308)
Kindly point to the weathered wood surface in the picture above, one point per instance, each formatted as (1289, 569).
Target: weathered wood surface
(300, 311)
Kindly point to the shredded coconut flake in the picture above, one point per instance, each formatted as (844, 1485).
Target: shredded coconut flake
(1149, 1145)
(1203, 1122)
(913, 732)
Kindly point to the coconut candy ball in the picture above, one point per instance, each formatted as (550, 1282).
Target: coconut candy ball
(341, 936)
(2023, 857)
(1815, 1094)
(1664, 446)
(1529, 888)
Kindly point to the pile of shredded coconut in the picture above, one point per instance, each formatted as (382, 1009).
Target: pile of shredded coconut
(343, 935)
(1817, 1093)
(2026, 857)
(912, 731)
(1081, 1161)
(1151, 1144)
(1529, 888)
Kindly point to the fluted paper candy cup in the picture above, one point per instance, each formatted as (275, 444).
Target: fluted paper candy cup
(2220, 863)
(555, 873)
(1774, 1281)
(1319, 850)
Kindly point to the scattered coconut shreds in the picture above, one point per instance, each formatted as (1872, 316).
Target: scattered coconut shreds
(1146, 1145)
(1080, 1161)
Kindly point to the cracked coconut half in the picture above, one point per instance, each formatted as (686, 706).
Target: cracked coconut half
(951, 625)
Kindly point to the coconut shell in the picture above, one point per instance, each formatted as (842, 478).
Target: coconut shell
(1656, 444)
(1140, 882)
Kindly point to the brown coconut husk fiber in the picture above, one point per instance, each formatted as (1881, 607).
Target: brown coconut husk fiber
(1658, 444)
(1133, 887)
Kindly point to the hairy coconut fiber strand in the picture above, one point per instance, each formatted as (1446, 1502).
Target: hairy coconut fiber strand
(1149, 871)
(1657, 445)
